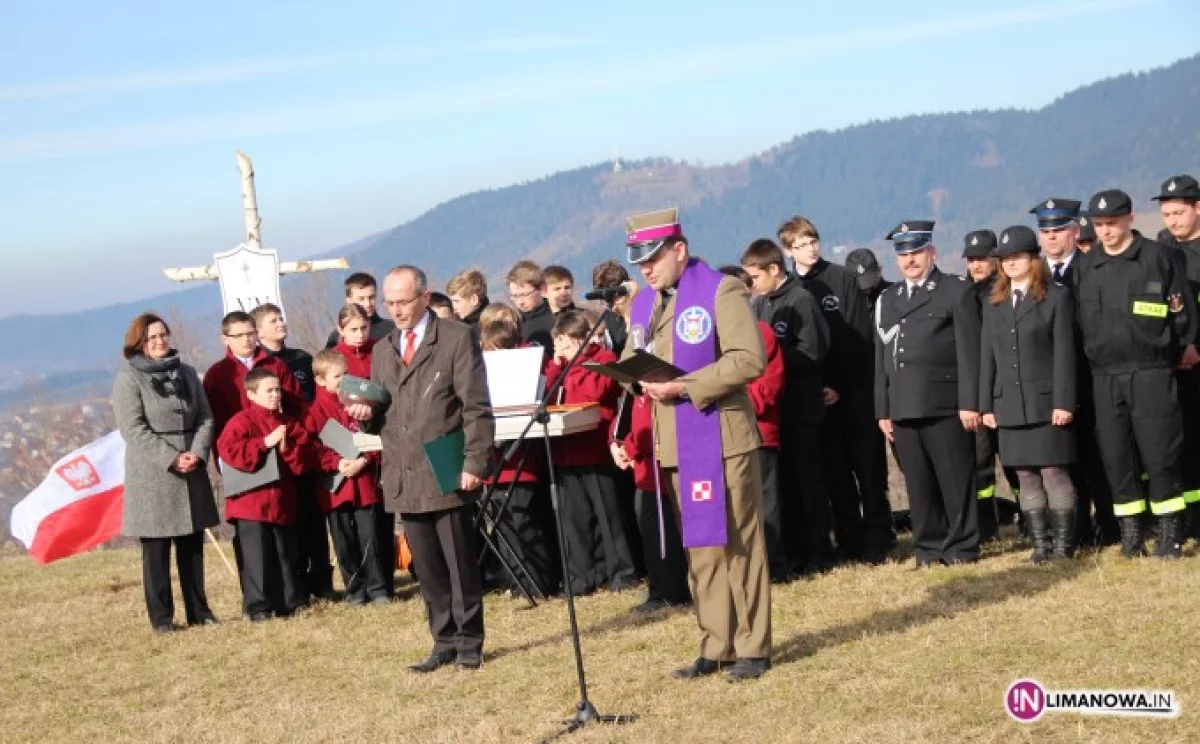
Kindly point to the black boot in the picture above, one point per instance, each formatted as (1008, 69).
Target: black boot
(989, 528)
(1170, 536)
(1039, 528)
(1062, 527)
(1132, 537)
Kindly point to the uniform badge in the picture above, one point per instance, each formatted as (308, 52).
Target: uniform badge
(702, 491)
(1102, 204)
(780, 329)
(694, 325)
(975, 240)
(1175, 303)
(861, 269)
(1049, 204)
(829, 303)
(1083, 221)
(931, 286)
(1171, 186)
(904, 228)
(1004, 239)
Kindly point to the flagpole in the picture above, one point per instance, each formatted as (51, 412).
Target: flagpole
(221, 552)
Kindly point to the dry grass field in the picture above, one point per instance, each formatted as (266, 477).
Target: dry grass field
(863, 654)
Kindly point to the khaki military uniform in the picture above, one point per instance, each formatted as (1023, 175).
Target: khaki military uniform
(730, 585)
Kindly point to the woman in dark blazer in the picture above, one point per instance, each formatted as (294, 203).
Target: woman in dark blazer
(167, 426)
(1027, 388)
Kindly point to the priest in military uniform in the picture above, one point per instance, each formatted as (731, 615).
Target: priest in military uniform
(927, 393)
(700, 320)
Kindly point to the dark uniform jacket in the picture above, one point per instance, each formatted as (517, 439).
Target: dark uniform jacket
(299, 363)
(851, 357)
(798, 324)
(442, 390)
(537, 327)
(1136, 310)
(1027, 358)
(927, 349)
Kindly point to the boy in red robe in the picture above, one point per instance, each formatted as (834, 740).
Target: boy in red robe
(597, 548)
(263, 517)
(224, 382)
(351, 508)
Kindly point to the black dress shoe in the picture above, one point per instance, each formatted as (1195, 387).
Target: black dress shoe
(164, 629)
(743, 670)
(259, 617)
(206, 620)
(651, 606)
(468, 661)
(434, 661)
(702, 667)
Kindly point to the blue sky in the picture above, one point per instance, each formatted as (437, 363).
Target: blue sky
(119, 120)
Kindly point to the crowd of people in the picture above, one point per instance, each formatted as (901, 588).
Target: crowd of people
(1068, 353)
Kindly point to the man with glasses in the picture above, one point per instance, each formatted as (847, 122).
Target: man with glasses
(527, 288)
(223, 383)
(434, 371)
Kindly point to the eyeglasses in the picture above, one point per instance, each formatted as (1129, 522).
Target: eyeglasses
(805, 244)
(402, 303)
(247, 334)
(522, 295)
(158, 337)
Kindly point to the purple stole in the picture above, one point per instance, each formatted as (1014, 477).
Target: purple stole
(701, 462)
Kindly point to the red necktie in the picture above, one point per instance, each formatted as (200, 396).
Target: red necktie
(410, 346)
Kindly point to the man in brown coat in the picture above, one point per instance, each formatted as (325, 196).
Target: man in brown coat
(434, 371)
(701, 321)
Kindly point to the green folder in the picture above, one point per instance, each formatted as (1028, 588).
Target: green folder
(446, 456)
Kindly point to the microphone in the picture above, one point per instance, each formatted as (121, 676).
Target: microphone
(609, 294)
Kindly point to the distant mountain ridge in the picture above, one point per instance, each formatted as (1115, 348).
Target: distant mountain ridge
(967, 170)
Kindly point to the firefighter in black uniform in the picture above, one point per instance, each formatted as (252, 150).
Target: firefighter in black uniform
(981, 267)
(1060, 227)
(851, 444)
(1087, 234)
(927, 392)
(1137, 314)
(1179, 205)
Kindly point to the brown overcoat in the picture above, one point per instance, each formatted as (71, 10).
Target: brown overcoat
(444, 389)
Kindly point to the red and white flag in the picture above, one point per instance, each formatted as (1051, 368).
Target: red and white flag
(79, 504)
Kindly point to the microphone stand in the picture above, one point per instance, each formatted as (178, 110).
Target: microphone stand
(585, 711)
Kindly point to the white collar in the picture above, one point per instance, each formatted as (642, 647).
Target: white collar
(1064, 262)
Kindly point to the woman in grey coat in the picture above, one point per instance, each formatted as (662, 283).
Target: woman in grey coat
(167, 426)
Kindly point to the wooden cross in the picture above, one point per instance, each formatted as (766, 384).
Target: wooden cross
(253, 240)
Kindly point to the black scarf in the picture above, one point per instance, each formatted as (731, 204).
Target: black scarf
(165, 375)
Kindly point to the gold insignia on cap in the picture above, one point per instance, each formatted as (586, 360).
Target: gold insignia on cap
(1171, 186)
(1102, 204)
(1004, 239)
(1049, 204)
(1083, 220)
(975, 240)
(904, 228)
(661, 218)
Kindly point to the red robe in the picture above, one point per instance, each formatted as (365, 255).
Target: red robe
(361, 490)
(587, 448)
(639, 443)
(358, 358)
(766, 392)
(224, 385)
(241, 446)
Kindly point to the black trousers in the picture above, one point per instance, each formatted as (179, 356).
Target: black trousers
(937, 458)
(266, 556)
(521, 526)
(1094, 517)
(666, 575)
(772, 516)
(314, 574)
(156, 578)
(356, 541)
(443, 550)
(385, 527)
(856, 471)
(803, 497)
(1138, 420)
(593, 530)
(1189, 401)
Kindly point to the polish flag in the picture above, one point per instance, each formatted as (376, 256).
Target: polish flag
(79, 504)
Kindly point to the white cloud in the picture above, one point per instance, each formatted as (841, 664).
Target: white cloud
(640, 74)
